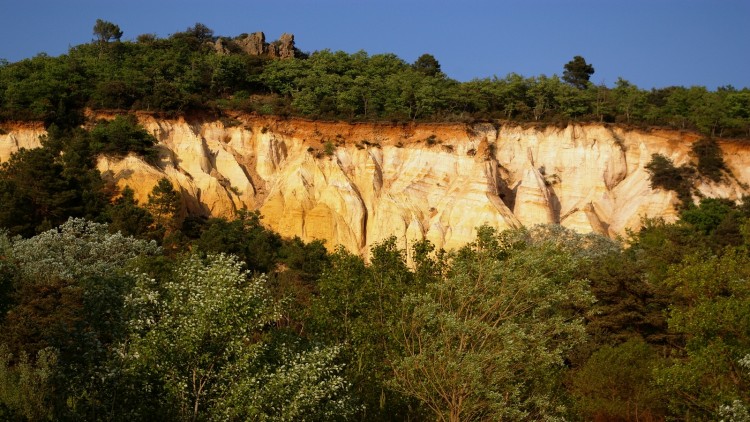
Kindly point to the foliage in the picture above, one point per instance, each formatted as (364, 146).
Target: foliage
(198, 330)
(68, 299)
(185, 72)
(125, 216)
(357, 306)
(616, 383)
(627, 305)
(710, 160)
(25, 387)
(577, 72)
(709, 215)
(98, 326)
(712, 310)
(301, 386)
(106, 31)
(487, 341)
(203, 335)
(76, 250)
(244, 237)
(42, 187)
(165, 205)
(665, 175)
(120, 137)
(428, 65)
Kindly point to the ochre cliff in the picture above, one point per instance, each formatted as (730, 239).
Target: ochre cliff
(414, 181)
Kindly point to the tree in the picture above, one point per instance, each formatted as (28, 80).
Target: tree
(710, 158)
(127, 217)
(577, 72)
(244, 237)
(36, 191)
(629, 100)
(357, 306)
(616, 383)
(75, 250)
(488, 340)
(26, 387)
(206, 335)
(664, 175)
(165, 204)
(428, 65)
(106, 31)
(69, 289)
(712, 311)
(121, 136)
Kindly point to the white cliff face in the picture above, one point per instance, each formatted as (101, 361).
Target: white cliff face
(23, 136)
(425, 181)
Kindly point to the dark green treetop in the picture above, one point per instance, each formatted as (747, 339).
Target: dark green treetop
(106, 31)
(578, 72)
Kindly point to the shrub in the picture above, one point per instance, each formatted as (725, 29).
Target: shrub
(329, 148)
(122, 136)
(710, 159)
(664, 175)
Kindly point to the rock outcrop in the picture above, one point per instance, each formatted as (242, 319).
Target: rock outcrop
(357, 184)
(255, 45)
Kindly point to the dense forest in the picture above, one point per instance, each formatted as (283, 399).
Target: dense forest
(186, 72)
(115, 310)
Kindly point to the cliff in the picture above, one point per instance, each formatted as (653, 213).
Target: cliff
(356, 184)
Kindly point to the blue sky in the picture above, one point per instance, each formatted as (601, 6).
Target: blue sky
(651, 43)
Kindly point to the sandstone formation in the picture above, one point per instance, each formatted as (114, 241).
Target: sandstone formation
(255, 45)
(19, 135)
(283, 48)
(413, 181)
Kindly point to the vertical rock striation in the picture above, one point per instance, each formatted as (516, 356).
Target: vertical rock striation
(412, 181)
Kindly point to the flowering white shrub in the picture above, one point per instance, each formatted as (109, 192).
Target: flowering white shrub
(78, 248)
(205, 334)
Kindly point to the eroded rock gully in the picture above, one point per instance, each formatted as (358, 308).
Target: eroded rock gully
(413, 181)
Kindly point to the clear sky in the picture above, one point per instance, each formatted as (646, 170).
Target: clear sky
(651, 43)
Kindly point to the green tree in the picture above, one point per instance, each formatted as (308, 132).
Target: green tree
(711, 310)
(627, 305)
(617, 383)
(664, 175)
(69, 291)
(630, 101)
(165, 205)
(543, 96)
(710, 158)
(121, 136)
(489, 339)
(204, 333)
(26, 386)
(577, 72)
(244, 237)
(357, 306)
(106, 31)
(37, 192)
(127, 217)
(428, 65)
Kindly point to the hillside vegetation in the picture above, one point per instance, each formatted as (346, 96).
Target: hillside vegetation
(228, 321)
(188, 72)
(113, 310)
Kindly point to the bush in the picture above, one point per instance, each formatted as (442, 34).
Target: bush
(329, 148)
(122, 136)
(710, 159)
(664, 175)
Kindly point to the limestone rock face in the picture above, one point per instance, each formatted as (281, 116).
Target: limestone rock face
(411, 181)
